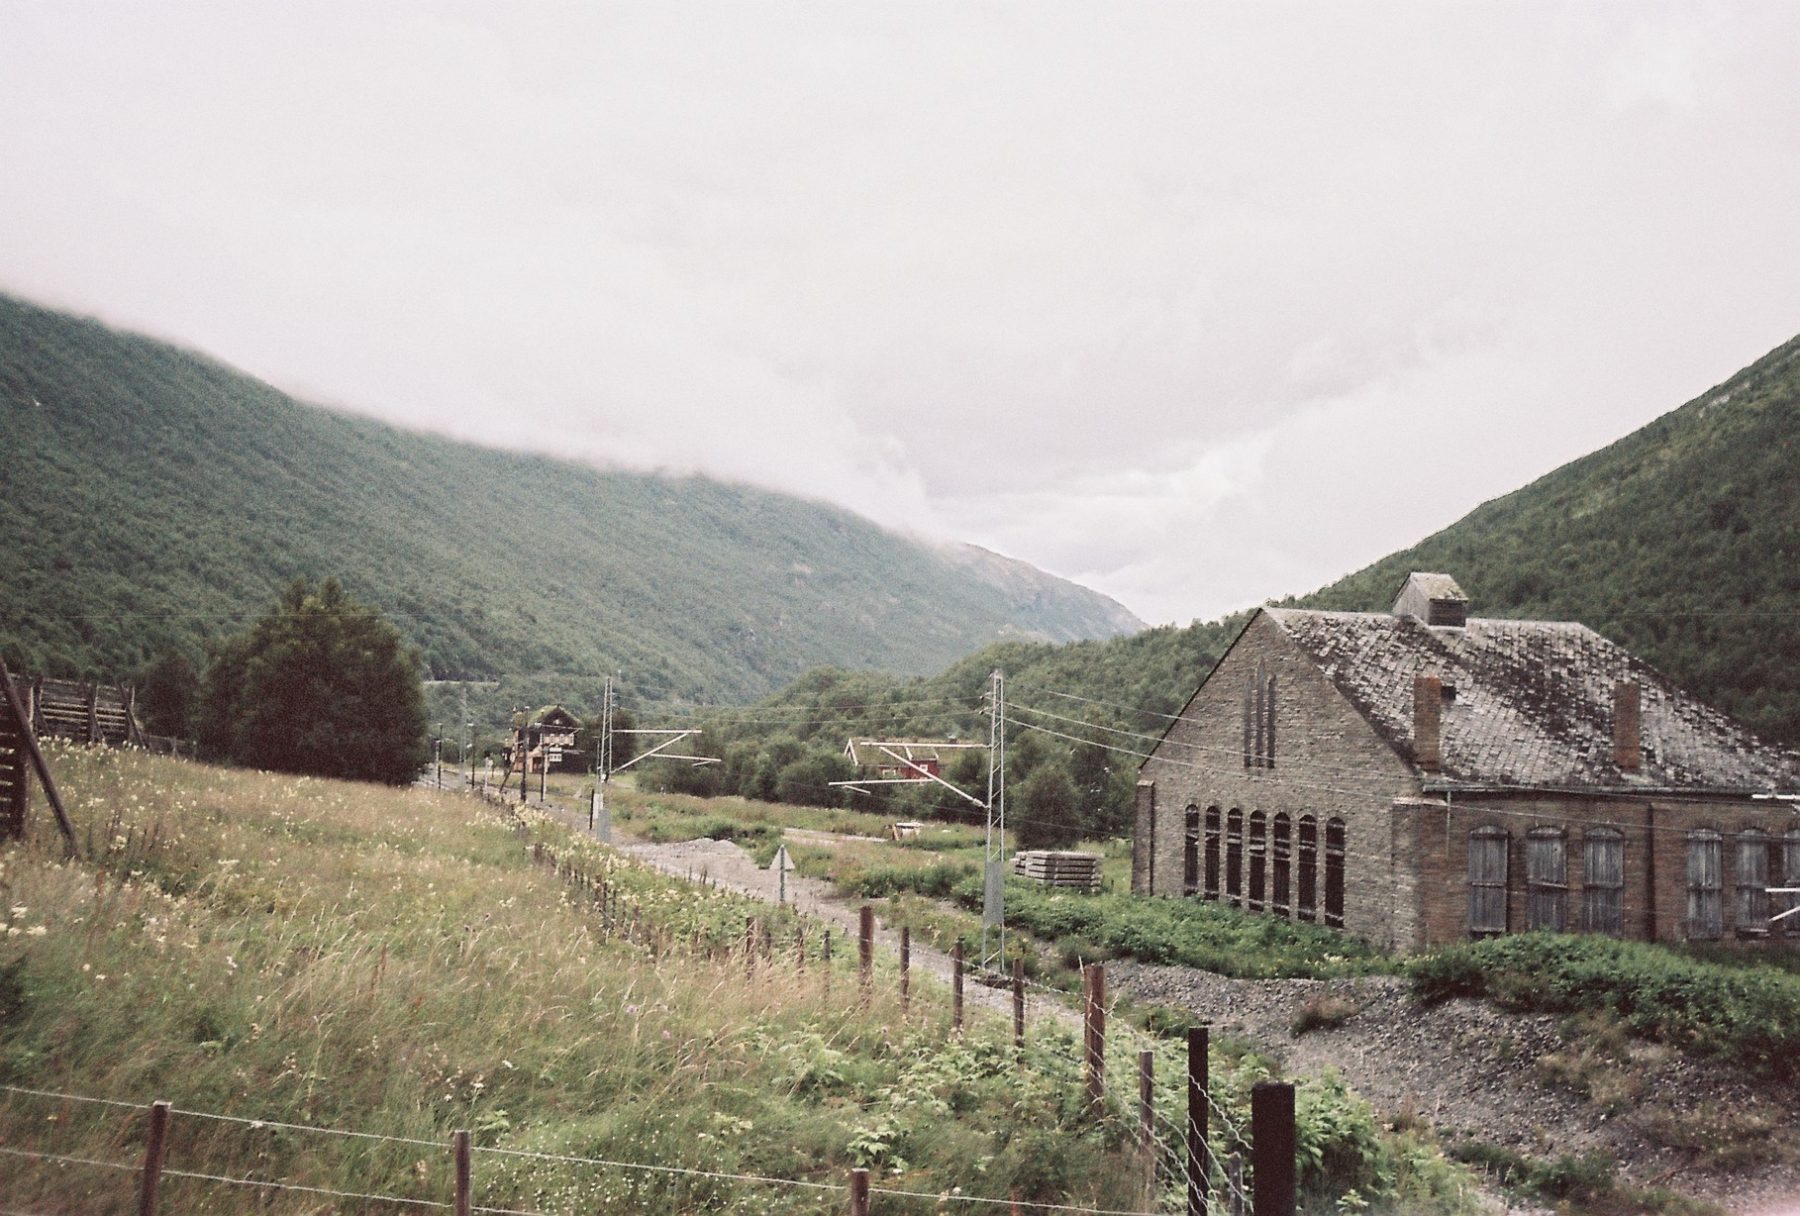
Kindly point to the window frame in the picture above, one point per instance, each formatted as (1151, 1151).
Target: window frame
(1602, 899)
(1547, 879)
(1489, 912)
(1705, 891)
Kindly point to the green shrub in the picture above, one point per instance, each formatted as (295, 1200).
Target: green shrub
(1750, 1015)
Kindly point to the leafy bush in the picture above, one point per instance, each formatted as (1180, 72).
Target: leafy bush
(1751, 1016)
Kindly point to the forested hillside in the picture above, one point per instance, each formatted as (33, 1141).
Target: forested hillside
(151, 496)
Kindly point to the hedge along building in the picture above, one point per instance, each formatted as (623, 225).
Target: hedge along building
(1418, 776)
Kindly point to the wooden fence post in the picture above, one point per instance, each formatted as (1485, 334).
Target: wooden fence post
(1018, 995)
(1197, 1112)
(865, 950)
(1234, 1185)
(156, 1143)
(1272, 1148)
(1147, 1118)
(1094, 1037)
(465, 1196)
(905, 969)
(859, 1192)
(93, 712)
(956, 987)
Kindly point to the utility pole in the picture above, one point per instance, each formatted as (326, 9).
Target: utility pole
(599, 817)
(993, 871)
(468, 734)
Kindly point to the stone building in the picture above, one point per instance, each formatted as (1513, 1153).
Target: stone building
(1420, 776)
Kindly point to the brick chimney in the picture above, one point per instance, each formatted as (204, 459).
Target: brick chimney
(1428, 708)
(1628, 726)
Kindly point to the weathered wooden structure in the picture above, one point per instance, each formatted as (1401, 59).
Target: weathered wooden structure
(19, 758)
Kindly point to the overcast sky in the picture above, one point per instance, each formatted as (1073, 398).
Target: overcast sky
(1198, 305)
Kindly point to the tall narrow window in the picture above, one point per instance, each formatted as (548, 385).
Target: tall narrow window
(1259, 859)
(1190, 852)
(1284, 844)
(1212, 852)
(1706, 884)
(1790, 877)
(1487, 881)
(1603, 881)
(1268, 722)
(1259, 718)
(1309, 867)
(1547, 879)
(1334, 873)
(1234, 857)
(1752, 883)
(1250, 720)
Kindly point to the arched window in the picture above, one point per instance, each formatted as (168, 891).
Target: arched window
(1488, 847)
(1603, 881)
(1259, 859)
(1211, 890)
(1309, 868)
(1546, 879)
(1334, 873)
(1284, 844)
(1705, 884)
(1752, 883)
(1790, 877)
(1190, 852)
(1234, 857)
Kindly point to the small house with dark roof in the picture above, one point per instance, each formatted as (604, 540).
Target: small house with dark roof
(1421, 776)
(547, 737)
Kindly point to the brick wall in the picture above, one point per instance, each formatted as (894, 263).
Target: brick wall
(1327, 763)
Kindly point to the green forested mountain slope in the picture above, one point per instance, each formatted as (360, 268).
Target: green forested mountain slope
(149, 495)
(1681, 542)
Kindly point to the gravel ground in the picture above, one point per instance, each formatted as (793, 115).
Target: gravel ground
(1472, 1070)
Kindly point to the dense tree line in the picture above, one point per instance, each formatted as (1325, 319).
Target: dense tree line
(320, 685)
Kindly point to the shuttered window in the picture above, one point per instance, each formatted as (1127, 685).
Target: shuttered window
(1190, 852)
(1234, 856)
(1334, 873)
(1212, 853)
(1706, 884)
(1487, 881)
(1547, 879)
(1284, 844)
(1259, 859)
(1603, 881)
(1309, 868)
(1752, 883)
(1790, 877)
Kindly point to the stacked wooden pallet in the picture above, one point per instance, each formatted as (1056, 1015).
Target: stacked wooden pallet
(1059, 868)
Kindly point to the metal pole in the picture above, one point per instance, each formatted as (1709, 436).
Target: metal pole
(993, 904)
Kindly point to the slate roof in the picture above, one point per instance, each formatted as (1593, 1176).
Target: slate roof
(1533, 704)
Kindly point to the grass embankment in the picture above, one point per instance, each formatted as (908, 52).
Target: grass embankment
(392, 962)
(1749, 1015)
